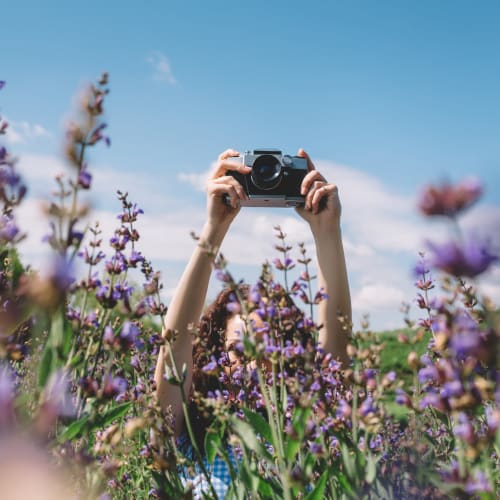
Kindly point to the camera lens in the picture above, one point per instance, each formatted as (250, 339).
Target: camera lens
(266, 172)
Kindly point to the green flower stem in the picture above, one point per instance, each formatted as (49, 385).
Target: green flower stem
(277, 439)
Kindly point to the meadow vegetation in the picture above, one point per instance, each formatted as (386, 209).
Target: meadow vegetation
(415, 414)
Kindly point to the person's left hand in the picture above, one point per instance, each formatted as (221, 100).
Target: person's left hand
(322, 204)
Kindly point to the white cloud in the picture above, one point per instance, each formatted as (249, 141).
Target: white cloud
(22, 132)
(161, 67)
(377, 296)
(197, 180)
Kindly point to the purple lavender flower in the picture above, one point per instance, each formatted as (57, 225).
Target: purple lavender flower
(469, 259)
(84, 179)
(402, 398)
(130, 336)
(109, 335)
(135, 258)
(466, 337)
(427, 373)
(452, 389)
(367, 407)
(61, 273)
(211, 366)
(233, 307)
(478, 484)
(449, 200)
(344, 410)
(113, 386)
(117, 264)
(8, 229)
(463, 429)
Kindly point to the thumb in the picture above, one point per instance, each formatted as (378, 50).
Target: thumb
(310, 164)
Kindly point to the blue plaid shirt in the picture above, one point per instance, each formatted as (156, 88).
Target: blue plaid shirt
(219, 473)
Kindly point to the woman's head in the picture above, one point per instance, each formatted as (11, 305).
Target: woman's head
(221, 329)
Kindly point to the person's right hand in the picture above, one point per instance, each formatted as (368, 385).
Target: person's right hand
(220, 186)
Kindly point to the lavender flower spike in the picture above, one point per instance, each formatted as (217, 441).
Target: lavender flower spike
(470, 259)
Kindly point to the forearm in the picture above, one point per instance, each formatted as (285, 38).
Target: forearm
(185, 310)
(335, 314)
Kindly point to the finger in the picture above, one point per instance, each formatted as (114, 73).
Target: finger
(312, 191)
(308, 181)
(228, 153)
(319, 194)
(229, 180)
(224, 166)
(220, 190)
(310, 164)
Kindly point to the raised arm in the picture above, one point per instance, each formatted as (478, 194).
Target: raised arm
(189, 298)
(322, 211)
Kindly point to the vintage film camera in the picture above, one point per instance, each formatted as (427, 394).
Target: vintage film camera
(275, 178)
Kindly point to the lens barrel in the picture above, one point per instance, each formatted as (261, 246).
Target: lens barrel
(266, 172)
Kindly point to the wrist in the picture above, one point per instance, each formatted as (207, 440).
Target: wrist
(213, 233)
(325, 228)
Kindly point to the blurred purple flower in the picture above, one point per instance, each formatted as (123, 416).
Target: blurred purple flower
(7, 396)
(58, 396)
(466, 338)
(469, 259)
(2, 84)
(463, 429)
(233, 307)
(8, 229)
(113, 386)
(478, 484)
(448, 199)
(130, 336)
(452, 389)
(344, 410)
(367, 407)
(402, 398)
(211, 366)
(84, 179)
(97, 135)
(61, 273)
(427, 373)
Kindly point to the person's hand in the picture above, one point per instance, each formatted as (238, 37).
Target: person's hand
(322, 206)
(224, 192)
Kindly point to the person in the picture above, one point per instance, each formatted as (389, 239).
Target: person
(322, 211)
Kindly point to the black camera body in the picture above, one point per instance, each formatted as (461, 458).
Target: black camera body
(275, 178)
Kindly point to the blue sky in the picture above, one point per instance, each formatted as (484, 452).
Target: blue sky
(385, 96)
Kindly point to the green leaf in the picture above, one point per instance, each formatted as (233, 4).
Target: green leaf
(292, 448)
(249, 438)
(73, 430)
(259, 424)
(318, 493)
(344, 482)
(112, 414)
(348, 461)
(371, 469)
(67, 338)
(264, 488)
(299, 420)
(56, 329)
(76, 360)
(213, 443)
(45, 367)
